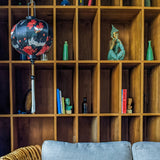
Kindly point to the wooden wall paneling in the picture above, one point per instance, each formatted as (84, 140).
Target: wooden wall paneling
(136, 2)
(95, 35)
(155, 3)
(115, 89)
(66, 74)
(75, 35)
(65, 124)
(155, 32)
(105, 90)
(136, 41)
(151, 128)
(21, 85)
(86, 87)
(75, 89)
(44, 89)
(85, 29)
(87, 129)
(94, 80)
(131, 128)
(135, 87)
(47, 15)
(26, 129)
(132, 2)
(64, 31)
(109, 128)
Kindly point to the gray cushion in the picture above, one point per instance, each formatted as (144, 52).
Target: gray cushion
(146, 151)
(55, 150)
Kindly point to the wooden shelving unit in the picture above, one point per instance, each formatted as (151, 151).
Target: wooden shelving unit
(87, 73)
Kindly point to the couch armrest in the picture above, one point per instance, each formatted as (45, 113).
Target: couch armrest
(24, 153)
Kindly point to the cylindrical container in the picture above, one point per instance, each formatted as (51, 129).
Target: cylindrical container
(84, 105)
(147, 3)
(149, 56)
(65, 51)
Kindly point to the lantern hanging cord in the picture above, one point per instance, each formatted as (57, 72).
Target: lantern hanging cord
(32, 2)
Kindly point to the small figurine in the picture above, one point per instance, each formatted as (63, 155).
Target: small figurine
(68, 107)
(116, 51)
(65, 2)
(130, 107)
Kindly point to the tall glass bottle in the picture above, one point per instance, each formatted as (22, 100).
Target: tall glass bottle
(65, 51)
(149, 56)
(84, 105)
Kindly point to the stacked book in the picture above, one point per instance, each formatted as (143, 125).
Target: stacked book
(124, 101)
(60, 102)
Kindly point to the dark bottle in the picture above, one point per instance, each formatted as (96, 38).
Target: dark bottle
(84, 105)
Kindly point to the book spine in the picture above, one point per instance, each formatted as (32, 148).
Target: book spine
(58, 102)
(63, 105)
(89, 2)
(60, 95)
(81, 2)
(122, 101)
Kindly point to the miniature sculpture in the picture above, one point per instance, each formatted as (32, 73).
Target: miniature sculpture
(116, 51)
(68, 106)
(65, 2)
(129, 107)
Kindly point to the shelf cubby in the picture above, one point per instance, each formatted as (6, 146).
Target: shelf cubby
(151, 32)
(130, 130)
(109, 93)
(5, 138)
(88, 86)
(109, 128)
(4, 37)
(87, 129)
(66, 31)
(43, 93)
(46, 14)
(4, 89)
(66, 72)
(87, 29)
(131, 80)
(132, 2)
(151, 128)
(32, 130)
(110, 2)
(151, 88)
(67, 125)
(72, 2)
(125, 21)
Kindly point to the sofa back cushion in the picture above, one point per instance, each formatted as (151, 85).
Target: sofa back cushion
(146, 151)
(56, 150)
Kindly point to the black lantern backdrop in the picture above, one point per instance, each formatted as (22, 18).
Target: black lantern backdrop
(32, 38)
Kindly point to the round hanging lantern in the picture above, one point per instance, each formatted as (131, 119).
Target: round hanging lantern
(32, 38)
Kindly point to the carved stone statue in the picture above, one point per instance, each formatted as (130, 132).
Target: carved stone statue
(116, 51)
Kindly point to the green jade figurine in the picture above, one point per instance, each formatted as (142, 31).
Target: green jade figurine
(116, 51)
(68, 106)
